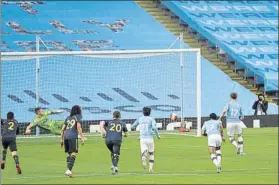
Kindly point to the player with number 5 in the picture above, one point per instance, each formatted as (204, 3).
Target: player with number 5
(10, 130)
(234, 122)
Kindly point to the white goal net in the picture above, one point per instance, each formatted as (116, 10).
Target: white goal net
(167, 81)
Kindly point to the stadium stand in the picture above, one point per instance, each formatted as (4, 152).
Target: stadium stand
(64, 26)
(247, 31)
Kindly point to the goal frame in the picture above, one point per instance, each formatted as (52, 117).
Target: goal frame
(37, 55)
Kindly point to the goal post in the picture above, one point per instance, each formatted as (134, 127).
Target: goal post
(167, 80)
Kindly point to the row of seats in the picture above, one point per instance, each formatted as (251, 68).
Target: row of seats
(247, 31)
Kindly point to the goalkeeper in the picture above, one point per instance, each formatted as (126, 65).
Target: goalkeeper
(42, 121)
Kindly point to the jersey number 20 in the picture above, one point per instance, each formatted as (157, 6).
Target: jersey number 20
(115, 127)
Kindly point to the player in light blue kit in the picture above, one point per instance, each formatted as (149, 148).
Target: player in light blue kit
(234, 122)
(146, 125)
(214, 131)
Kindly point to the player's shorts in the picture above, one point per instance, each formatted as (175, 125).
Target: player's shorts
(147, 145)
(114, 146)
(9, 142)
(234, 128)
(71, 145)
(214, 140)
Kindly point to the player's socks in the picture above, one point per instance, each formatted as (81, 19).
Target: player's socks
(115, 159)
(214, 160)
(143, 158)
(233, 141)
(16, 159)
(240, 144)
(3, 159)
(219, 157)
(71, 162)
(151, 161)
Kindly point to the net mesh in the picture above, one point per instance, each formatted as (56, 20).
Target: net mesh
(101, 84)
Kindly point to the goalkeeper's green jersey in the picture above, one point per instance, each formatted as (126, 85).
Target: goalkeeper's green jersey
(54, 126)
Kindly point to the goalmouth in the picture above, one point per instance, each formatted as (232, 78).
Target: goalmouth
(166, 80)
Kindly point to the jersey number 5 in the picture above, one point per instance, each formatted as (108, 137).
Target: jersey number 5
(71, 123)
(115, 127)
(11, 125)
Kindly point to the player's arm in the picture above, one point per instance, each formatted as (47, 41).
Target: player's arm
(28, 129)
(224, 111)
(155, 129)
(125, 130)
(103, 125)
(203, 130)
(221, 131)
(62, 134)
(80, 132)
(135, 124)
(241, 115)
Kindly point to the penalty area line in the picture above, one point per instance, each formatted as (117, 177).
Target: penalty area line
(225, 172)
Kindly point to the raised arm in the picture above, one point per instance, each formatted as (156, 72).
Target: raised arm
(56, 111)
(28, 129)
(203, 130)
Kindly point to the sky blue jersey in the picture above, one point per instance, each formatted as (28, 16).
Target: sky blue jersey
(234, 111)
(146, 125)
(211, 127)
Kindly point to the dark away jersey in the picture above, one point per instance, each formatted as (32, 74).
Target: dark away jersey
(114, 129)
(71, 131)
(9, 128)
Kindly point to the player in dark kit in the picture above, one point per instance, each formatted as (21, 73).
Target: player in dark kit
(10, 130)
(113, 130)
(69, 137)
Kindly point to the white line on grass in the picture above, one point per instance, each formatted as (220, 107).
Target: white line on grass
(225, 172)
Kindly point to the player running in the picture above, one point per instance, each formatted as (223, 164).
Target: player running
(113, 130)
(10, 130)
(42, 121)
(214, 131)
(146, 125)
(69, 137)
(234, 121)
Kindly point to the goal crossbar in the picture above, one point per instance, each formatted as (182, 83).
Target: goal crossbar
(56, 53)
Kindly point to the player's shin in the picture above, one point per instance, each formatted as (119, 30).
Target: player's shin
(214, 159)
(151, 160)
(232, 140)
(143, 158)
(219, 155)
(15, 156)
(115, 160)
(240, 143)
(71, 162)
(4, 155)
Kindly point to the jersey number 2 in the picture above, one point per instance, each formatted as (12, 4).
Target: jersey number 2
(115, 127)
(11, 125)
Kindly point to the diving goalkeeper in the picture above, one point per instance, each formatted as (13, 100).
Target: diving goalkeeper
(42, 121)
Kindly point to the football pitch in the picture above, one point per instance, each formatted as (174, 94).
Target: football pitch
(178, 160)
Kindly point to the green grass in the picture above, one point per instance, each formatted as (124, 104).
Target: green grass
(178, 159)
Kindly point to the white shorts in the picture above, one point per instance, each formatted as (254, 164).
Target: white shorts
(234, 128)
(214, 140)
(147, 145)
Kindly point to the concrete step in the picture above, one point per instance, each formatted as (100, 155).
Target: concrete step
(236, 78)
(152, 9)
(159, 17)
(190, 41)
(159, 13)
(169, 21)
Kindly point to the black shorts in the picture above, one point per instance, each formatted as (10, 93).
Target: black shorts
(114, 146)
(71, 145)
(9, 142)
